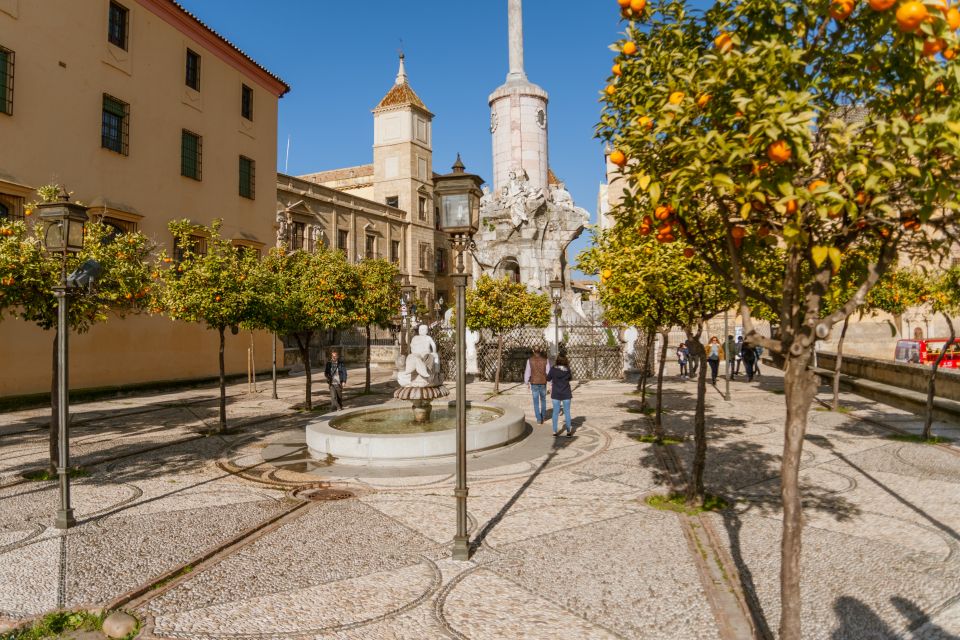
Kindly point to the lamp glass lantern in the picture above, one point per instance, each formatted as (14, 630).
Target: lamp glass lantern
(460, 194)
(556, 290)
(63, 225)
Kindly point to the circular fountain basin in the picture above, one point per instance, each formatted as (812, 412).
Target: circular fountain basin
(387, 434)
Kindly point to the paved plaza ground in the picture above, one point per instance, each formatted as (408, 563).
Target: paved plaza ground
(209, 536)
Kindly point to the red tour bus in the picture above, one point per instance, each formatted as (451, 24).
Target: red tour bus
(927, 352)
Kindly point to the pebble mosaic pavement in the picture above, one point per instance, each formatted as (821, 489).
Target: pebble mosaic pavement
(565, 545)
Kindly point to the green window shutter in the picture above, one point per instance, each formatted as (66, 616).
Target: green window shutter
(4, 81)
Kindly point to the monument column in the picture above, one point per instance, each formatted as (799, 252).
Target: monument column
(515, 32)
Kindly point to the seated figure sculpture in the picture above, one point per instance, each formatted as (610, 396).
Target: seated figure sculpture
(422, 368)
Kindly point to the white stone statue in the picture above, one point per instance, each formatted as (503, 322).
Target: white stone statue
(448, 318)
(561, 196)
(283, 227)
(630, 335)
(487, 196)
(473, 337)
(423, 364)
(517, 199)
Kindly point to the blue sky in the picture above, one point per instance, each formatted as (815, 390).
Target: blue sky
(340, 58)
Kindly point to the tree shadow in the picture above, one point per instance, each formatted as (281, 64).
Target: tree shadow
(857, 621)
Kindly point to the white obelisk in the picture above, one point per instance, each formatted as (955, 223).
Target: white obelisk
(518, 116)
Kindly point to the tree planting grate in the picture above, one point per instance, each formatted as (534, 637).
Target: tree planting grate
(322, 494)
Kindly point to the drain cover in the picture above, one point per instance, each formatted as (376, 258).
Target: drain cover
(318, 494)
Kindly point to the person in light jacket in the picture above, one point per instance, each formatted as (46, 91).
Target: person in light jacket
(559, 376)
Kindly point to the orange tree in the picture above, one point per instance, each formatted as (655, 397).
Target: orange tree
(377, 301)
(820, 125)
(307, 293)
(502, 305)
(646, 282)
(944, 297)
(209, 282)
(28, 275)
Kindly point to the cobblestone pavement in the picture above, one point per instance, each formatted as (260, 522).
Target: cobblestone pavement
(565, 545)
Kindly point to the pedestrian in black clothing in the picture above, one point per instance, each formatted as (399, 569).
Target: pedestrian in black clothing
(559, 376)
(749, 356)
(336, 374)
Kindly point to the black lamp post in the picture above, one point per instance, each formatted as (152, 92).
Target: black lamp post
(63, 228)
(556, 294)
(460, 218)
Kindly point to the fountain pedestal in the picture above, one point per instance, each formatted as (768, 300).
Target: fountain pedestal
(421, 398)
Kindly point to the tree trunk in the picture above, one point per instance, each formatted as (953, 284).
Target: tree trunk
(496, 377)
(836, 367)
(645, 371)
(932, 382)
(54, 411)
(304, 346)
(366, 386)
(223, 387)
(657, 419)
(800, 388)
(695, 490)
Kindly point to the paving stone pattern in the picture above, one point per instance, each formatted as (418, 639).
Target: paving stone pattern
(565, 545)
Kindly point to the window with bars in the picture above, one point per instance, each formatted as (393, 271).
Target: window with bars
(370, 249)
(118, 226)
(246, 102)
(11, 208)
(441, 260)
(342, 238)
(247, 176)
(298, 236)
(191, 155)
(6, 81)
(393, 201)
(197, 244)
(117, 25)
(425, 255)
(115, 125)
(193, 70)
(395, 251)
(422, 208)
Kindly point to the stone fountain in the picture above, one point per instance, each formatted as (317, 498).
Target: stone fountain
(420, 378)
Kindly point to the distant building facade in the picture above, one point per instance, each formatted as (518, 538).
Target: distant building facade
(146, 115)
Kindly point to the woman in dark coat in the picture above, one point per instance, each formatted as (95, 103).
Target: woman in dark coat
(559, 376)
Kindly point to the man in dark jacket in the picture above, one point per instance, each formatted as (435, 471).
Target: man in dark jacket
(749, 356)
(336, 374)
(560, 377)
(535, 375)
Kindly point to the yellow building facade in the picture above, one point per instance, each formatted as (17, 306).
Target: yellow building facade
(146, 115)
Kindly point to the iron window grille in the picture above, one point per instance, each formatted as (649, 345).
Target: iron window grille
(115, 125)
(196, 244)
(11, 208)
(395, 251)
(422, 208)
(6, 81)
(117, 28)
(371, 247)
(425, 257)
(298, 236)
(247, 177)
(441, 267)
(191, 155)
(246, 102)
(342, 238)
(193, 69)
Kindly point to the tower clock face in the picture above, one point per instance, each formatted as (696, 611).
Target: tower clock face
(493, 121)
(542, 118)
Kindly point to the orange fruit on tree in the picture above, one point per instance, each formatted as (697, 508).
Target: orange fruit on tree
(703, 100)
(881, 5)
(779, 151)
(933, 46)
(607, 273)
(689, 252)
(610, 90)
(616, 70)
(841, 9)
(816, 184)
(676, 97)
(618, 158)
(623, 3)
(638, 5)
(629, 48)
(723, 42)
(940, 88)
(738, 232)
(645, 122)
(911, 15)
(662, 212)
(791, 206)
(950, 54)
(861, 198)
(953, 18)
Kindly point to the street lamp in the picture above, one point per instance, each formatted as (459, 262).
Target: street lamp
(437, 308)
(460, 218)
(556, 294)
(63, 227)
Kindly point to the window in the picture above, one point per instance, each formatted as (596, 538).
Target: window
(342, 237)
(422, 208)
(393, 201)
(370, 249)
(117, 27)
(191, 154)
(193, 70)
(247, 175)
(395, 251)
(117, 226)
(441, 266)
(246, 102)
(298, 235)
(196, 244)
(6, 81)
(115, 126)
(436, 218)
(246, 251)
(11, 208)
(425, 256)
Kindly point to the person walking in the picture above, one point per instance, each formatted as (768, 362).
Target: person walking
(756, 365)
(336, 375)
(730, 349)
(714, 356)
(535, 375)
(683, 355)
(749, 357)
(738, 348)
(559, 377)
